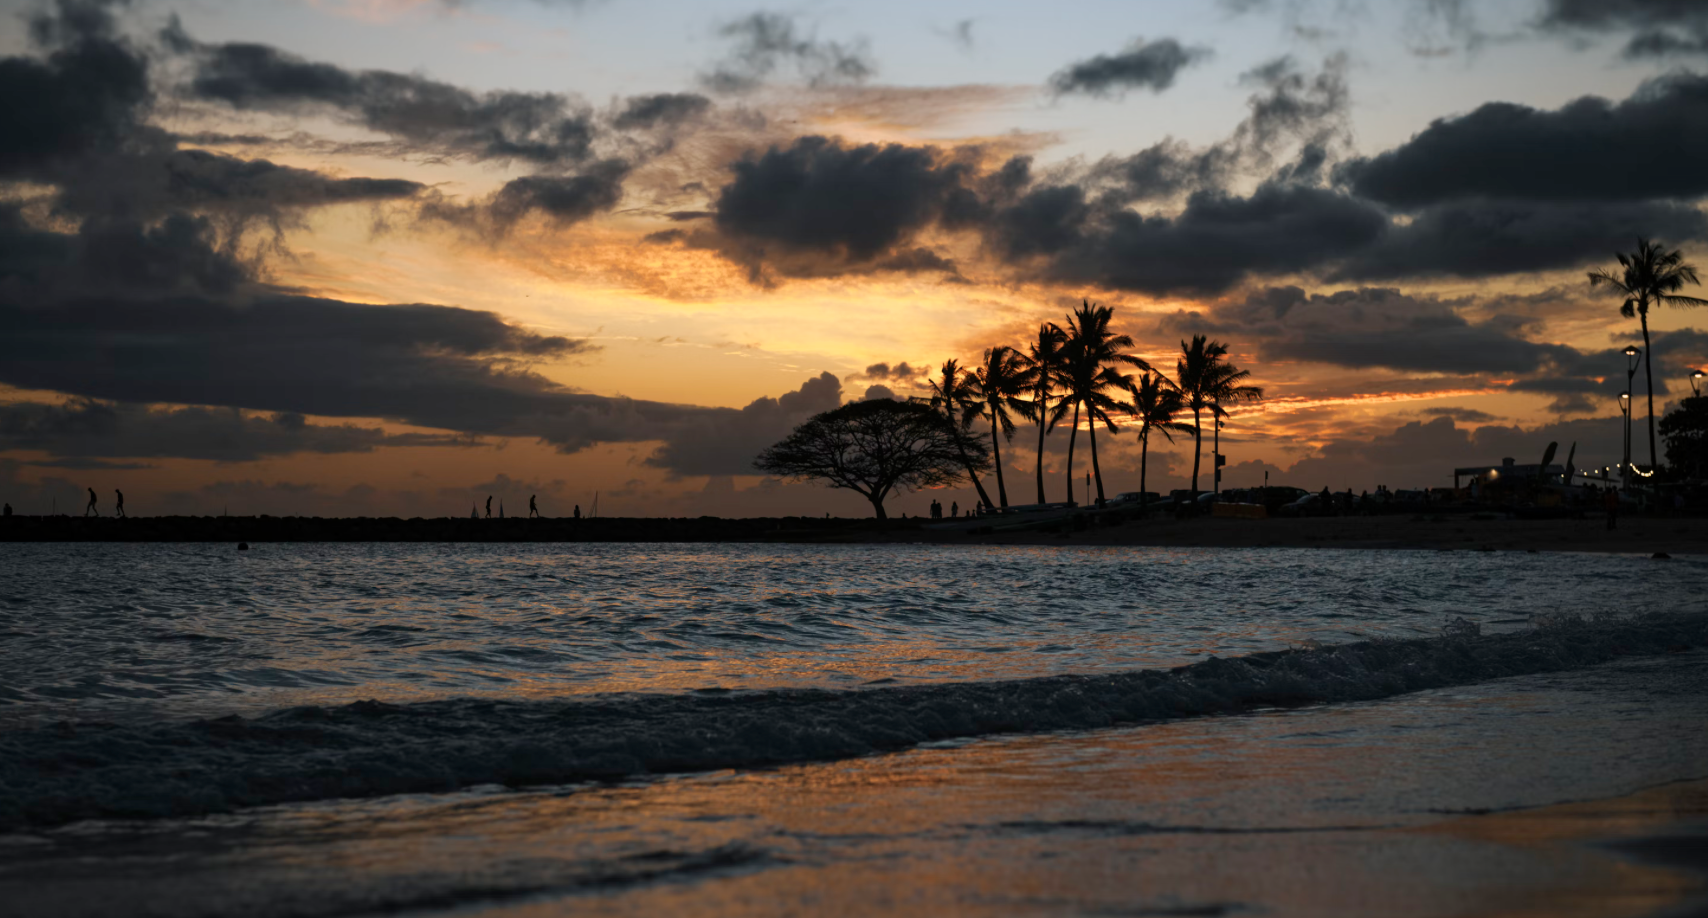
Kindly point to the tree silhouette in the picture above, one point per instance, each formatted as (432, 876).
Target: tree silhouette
(1046, 357)
(1005, 377)
(1205, 380)
(1156, 403)
(1089, 374)
(875, 447)
(1649, 276)
(955, 394)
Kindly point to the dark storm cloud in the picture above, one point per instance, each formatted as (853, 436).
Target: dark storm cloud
(423, 114)
(1143, 65)
(81, 431)
(75, 121)
(110, 255)
(724, 441)
(640, 112)
(85, 95)
(1645, 147)
(767, 42)
(1662, 28)
(853, 203)
(1484, 238)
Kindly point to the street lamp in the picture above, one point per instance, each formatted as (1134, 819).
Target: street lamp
(1625, 409)
(1633, 355)
(1696, 381)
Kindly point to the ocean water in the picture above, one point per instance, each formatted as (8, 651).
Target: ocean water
(726, 730)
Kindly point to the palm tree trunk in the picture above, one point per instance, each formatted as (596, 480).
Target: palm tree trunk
(1041, 430)
(967, 461)
(996, 452)
(1197, 452)
(1073, 434)
(1091, 431)
(1144, 450)
(1649, 373)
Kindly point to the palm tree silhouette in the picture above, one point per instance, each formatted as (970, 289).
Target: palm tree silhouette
(1649, 276)
(1089, 373)
(1046, 358)
(1006, 375)
(956, 394)
(1205, 381)
(1155, 404)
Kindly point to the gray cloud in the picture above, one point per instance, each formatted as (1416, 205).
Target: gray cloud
(642, 112)
(1662, 28)
(80, 433)
(548, 129)
(1380, 327)
(1143, 65)
(767, 42)
(724, 441)
(1489, 238)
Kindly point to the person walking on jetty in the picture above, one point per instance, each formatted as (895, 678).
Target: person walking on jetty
(533, 508)
(578, 511)
(489, 506)
(91, 508)
(120, 512)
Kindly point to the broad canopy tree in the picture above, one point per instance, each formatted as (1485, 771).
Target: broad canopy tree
(875, 448)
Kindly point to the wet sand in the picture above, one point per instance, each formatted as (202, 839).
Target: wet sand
(1636, 535)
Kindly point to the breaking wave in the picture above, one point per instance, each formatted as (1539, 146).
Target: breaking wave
(61, 773)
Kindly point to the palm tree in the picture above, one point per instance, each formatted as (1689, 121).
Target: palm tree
(1649, 276)
(1089, 373)
(1046, 357)
(1205, 381)
(1155, 404)
(956, 395)
(1006, 375)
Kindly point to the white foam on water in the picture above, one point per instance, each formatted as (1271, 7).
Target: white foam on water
(60, 773)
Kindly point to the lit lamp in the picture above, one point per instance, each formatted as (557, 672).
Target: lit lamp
(1696, 381)
(1633, 355)
(1625, 409)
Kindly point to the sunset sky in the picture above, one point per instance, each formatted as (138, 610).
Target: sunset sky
(355, 257)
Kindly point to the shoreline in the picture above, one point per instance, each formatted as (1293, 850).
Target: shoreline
(1636, 534)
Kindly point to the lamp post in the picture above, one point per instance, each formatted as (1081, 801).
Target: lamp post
(1633, 358)
(1696, 381)
(1216, 450)
(1625, 409)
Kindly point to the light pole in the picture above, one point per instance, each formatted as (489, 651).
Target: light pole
(1633, 359)
(1696, 381)
(1216, 477)
(1625, 467)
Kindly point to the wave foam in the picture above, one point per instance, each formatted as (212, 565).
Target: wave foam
(66, 772)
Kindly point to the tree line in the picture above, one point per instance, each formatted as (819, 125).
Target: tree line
(1072, 373)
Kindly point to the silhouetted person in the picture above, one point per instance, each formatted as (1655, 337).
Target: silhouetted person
(578, 511)
(91, 508)
(533, 509)
(1610, 500)
(954, 508)
(120, 512)
(489, 506)
(8, 510)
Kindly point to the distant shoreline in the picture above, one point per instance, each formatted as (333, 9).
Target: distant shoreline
(1635, 534)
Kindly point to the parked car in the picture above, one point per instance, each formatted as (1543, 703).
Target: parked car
(1309, 505)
